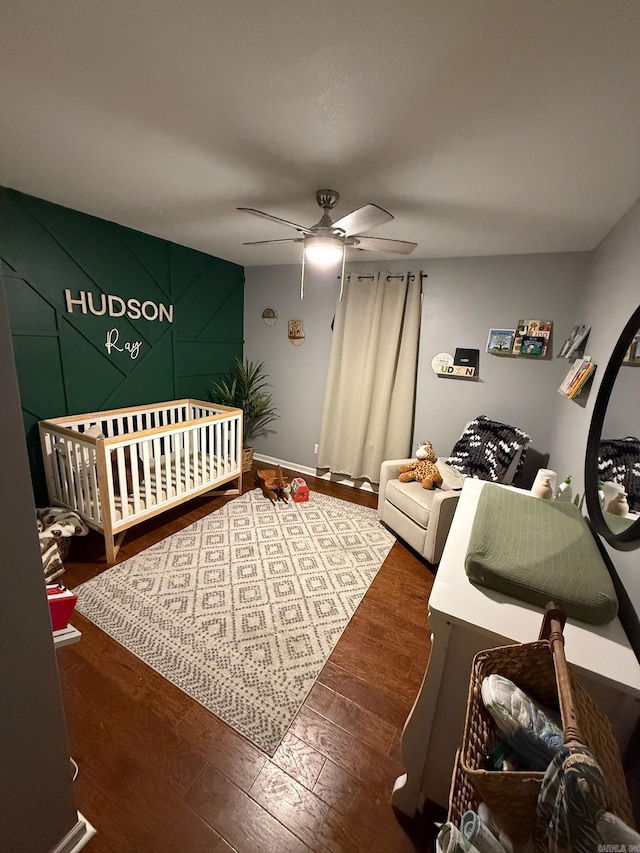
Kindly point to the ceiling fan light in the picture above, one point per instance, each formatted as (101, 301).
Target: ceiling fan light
(323, 250)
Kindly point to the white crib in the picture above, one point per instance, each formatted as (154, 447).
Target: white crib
(144, 460)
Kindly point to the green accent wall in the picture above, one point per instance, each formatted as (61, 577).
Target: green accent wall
(62, 362)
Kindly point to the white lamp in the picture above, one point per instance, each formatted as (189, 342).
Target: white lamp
(323, 250)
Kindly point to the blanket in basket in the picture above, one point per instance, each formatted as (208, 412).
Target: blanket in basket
(54, 526)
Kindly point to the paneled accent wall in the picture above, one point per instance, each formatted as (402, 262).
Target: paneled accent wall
(103, 316)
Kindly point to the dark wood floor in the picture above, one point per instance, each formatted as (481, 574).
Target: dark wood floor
(160, 774)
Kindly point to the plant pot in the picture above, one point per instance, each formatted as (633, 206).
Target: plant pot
(247, 458)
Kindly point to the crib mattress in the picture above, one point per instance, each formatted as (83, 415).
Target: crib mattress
(159, 493)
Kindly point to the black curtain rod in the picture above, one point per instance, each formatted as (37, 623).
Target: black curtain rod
(389, 277)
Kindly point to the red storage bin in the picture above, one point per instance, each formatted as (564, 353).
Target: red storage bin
(62, 603)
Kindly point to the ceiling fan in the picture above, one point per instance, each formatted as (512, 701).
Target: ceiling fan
(326, 242)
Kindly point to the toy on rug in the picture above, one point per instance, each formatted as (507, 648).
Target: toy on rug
(422, 469)
(299, 490)
(273, 483)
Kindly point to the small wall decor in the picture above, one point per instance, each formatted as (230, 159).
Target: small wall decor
(270, 316)
(442, 358)
(296, 332)
(500, 341)
(467, 358)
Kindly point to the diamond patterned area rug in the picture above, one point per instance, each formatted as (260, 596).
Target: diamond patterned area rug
(242, 609)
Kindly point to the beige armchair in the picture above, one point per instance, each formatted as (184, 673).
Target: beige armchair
(488, 450)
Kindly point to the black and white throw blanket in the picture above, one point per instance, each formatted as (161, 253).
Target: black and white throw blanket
(486, 449)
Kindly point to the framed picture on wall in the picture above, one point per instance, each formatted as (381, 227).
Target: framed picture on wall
(500, 341)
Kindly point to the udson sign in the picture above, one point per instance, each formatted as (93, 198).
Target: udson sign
(114, 306)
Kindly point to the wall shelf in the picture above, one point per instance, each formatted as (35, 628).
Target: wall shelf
(65, 637)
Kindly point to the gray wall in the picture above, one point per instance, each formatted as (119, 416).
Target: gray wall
(36, 798)
(611, 293)
(463, 299)
(298, 373)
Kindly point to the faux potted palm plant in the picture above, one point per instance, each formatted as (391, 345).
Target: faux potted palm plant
(245, 388)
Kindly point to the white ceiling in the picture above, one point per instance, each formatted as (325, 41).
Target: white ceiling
(485, 126)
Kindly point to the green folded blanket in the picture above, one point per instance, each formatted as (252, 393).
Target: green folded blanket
(537, 550)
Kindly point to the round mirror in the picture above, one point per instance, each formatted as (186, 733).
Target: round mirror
(612, 469)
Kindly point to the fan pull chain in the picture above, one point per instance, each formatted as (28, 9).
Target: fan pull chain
(344, 256)
(302, 276)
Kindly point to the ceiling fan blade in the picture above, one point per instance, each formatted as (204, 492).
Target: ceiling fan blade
(302, 228)
(286, 240)
(363, 219)
(380, 244)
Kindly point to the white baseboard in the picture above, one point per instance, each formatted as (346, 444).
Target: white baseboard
(322, 474)
(76, 838)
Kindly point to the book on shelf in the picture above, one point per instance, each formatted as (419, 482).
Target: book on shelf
(586, 370)
(573, 372)
(532, 337)
(581, 380)
(577, 338)
(500, 341)
(533, 345)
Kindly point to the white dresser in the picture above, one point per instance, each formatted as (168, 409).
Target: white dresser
(464, 620)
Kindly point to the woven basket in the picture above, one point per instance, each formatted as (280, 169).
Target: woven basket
(247, 458)
(512, 796)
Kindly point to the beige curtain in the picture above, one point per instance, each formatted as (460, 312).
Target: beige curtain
(369, 398)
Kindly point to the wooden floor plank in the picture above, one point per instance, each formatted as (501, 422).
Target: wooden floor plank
(363, 820)
(301, 761)
(231, 753)
(238, 818)
(295, 807)
(348, 715)
(130, 728)
(365, 763)
(384, 703)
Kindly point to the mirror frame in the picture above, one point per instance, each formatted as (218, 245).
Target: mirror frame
(624, 540)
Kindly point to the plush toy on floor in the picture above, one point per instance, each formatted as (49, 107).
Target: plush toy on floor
(422, 468)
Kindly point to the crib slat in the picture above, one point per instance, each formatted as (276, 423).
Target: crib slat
(56, 462)
(192, 439)
(167, 467)
(135, 478)
(232, 445)
(197, 457)
(82, 487)
(210, 453)
(225, 444)
(68, 478)
(121, 486)
(146, 473)
(95, 505)
(185, 459)
(157, 468)
(218, 447)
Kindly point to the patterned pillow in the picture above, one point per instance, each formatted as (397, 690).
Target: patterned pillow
(619, 462)
(486, 449)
